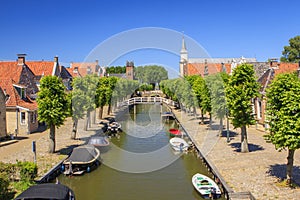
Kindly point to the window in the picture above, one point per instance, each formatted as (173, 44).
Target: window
(23, 118)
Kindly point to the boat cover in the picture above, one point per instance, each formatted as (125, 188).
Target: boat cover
(47, 191)
(85, 153)
(98, 141)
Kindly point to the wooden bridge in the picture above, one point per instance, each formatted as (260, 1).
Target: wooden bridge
(146, 100)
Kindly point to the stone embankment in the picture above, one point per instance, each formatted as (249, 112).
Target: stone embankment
(258, 172)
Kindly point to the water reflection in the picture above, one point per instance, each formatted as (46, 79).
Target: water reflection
(140, 164)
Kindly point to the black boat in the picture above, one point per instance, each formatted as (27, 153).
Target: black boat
(47, 191)
(82, 159)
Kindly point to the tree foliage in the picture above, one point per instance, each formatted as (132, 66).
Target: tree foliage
(52, 105)
(283, 114)
(241, 89)
(291, 53)
(116, 70)
(151, 74)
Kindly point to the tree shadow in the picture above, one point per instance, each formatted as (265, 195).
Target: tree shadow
(231, 133)
(67, 150)
(279, 171)
(252, 147)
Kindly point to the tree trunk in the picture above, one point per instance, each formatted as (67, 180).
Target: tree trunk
(221, 127)
(101, 112)
(87, 121)
(94, 116)
(289, 166)
(210, 119)
(74, 130)
(108, 109)
(244, 140)
(202, 117)
(52, 139)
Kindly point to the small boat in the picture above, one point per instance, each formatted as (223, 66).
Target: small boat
(206, 186)
(114, 127)
(47, 191)
(82, 159)
(179, 144)
(99, 141)
(175, 132)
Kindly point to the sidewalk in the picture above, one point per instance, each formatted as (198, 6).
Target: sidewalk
(257, 171)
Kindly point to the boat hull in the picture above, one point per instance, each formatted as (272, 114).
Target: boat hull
(206, 186)
(179, 144)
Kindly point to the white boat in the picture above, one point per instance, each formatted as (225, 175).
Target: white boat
(179, 144)
(206, 186)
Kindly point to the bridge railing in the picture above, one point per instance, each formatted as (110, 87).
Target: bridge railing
(145, 100)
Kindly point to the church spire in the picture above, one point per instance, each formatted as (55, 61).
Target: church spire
(183, 47)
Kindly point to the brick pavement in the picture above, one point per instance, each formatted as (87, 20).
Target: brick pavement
(257, 171)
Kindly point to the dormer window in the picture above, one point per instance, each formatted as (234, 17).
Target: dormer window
(75, 70)
(21, 91)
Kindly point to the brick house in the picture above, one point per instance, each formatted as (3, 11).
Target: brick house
(3, 130)
(265, 80)
(50, 68)
(19, 87)
(81, 69)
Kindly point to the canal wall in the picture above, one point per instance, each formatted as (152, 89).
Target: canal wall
(193, 135)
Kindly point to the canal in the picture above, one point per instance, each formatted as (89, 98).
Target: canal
(139, 163)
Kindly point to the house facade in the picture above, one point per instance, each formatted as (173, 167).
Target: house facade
(19, 87)
(3, 130)
(81, 69)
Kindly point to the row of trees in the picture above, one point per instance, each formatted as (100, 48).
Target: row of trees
(221, 94)
(89, 93)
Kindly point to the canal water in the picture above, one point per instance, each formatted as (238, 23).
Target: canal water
(139, 163)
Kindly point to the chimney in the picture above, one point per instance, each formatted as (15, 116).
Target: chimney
(56, 59)
(21, 58)
(273, 63)
(97, 62)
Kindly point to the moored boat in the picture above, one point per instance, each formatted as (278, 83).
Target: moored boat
(99, 141)
(47, 191)
(179, 144)
(82, 159)
(175, 132)
(114, 127)
(206, 186)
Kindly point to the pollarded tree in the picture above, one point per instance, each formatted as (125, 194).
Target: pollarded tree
(216, 85)
(283, 113)
(77, 102)
(291, 53)
(52, 105)
(89, 87)
(241, 88)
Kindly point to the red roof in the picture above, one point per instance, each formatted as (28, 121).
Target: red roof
(83, 67)
(10, 70)
(213, 68)
(40, 68)
(14, 99)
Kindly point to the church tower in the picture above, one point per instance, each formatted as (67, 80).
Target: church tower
(183, 59)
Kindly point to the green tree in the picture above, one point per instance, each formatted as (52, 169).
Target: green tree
(291, 53)
(77, 103)
(89, 87)
(151, 74)
(242, 87)
(283, 114)
(216, 85)
(52, 105)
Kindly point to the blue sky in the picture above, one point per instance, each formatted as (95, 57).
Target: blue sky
(72, 29)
